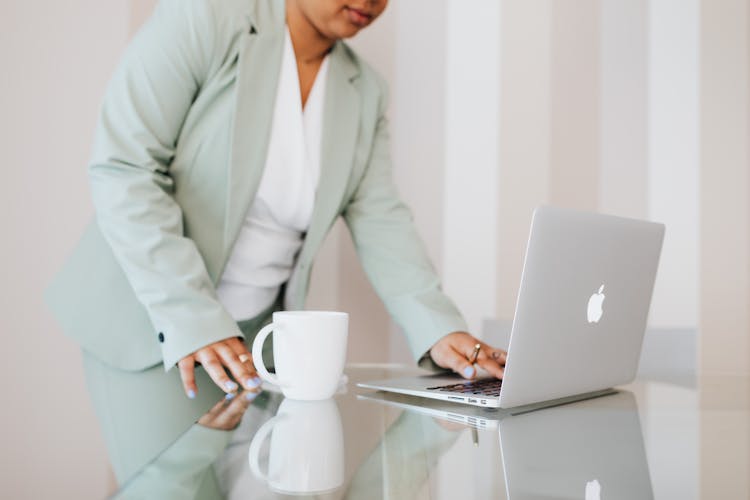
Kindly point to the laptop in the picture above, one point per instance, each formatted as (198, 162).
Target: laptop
(580, 315)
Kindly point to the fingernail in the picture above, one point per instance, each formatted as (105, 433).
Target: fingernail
(252, 382)
(229, 396)
(469, 371)
(250, 395)
(191, 394)
(230, 386)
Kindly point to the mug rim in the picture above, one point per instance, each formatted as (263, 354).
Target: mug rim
(303, 312)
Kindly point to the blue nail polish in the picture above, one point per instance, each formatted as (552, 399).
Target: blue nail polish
(191, 394)
(250, 395)
(230, 386)
(253, 382)
(229, 396)
(469, 371)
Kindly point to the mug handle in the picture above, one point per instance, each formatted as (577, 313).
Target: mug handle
(258, 355)
(253, 453)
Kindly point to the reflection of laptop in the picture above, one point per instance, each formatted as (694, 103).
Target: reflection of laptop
(473, 416)
(591, 450)
(580, 316)
(480, 418)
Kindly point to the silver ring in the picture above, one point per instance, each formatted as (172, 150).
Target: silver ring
(244, 358)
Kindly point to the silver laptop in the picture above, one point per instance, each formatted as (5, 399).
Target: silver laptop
(580, 315)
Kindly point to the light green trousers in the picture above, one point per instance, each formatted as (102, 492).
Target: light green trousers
(142, 412)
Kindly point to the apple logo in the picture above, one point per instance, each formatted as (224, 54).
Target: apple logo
(593, 490)
(594, 312)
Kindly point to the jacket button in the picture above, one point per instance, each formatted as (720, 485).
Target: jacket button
(161, 337)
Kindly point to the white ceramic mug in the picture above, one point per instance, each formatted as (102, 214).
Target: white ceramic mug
(309, 352)
(306, 454)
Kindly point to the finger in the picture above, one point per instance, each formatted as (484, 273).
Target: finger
(231, 414)
(490, 365)
(236, 367)
(213, 413)
(449, 425)
(239, 348)
(215, 370)
(187, 374)
(466, 344)
(208, 418)
(488, 358)
(240, 404)
(500, 356)
(456, 361)
(246, 358)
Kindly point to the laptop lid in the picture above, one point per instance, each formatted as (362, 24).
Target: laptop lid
(582, 306)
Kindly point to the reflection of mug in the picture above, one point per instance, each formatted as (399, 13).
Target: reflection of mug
(309, 351)
(307, 448)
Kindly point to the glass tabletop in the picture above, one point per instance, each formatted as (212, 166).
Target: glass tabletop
(649, 439)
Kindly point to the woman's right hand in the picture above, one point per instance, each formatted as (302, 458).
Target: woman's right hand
(214, 358)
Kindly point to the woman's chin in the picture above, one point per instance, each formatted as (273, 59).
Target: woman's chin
(345, 30)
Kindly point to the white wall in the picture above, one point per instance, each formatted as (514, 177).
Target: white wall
(56, 58)
(471, 151)
(674, 147)
(525, 136)
(625, 44)
(725, 189)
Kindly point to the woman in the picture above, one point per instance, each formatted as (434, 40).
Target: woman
(232, 135)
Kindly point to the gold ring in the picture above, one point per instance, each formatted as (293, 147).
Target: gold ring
(244, 358)
(475, 354)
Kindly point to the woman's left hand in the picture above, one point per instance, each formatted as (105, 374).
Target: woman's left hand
(456, 350)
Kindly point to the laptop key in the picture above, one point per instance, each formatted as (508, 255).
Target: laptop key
(486, 387)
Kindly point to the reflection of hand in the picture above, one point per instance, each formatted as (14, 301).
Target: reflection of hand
(449, 425)
(456, 350)
(230, 353)
(227, 413)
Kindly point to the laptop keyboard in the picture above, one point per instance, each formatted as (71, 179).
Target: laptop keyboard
(485, 387)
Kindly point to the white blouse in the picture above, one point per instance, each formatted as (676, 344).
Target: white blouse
(271, 234)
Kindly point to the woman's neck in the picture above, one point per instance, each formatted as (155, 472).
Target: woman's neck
(310, 46)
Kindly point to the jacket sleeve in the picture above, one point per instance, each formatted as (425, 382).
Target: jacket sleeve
(145, 105)
(394, 257)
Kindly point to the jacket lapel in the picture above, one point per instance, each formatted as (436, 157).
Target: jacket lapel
(341, 118)
(257, 81)
(258, 74)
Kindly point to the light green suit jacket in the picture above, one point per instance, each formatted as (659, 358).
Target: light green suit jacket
(177, 158)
